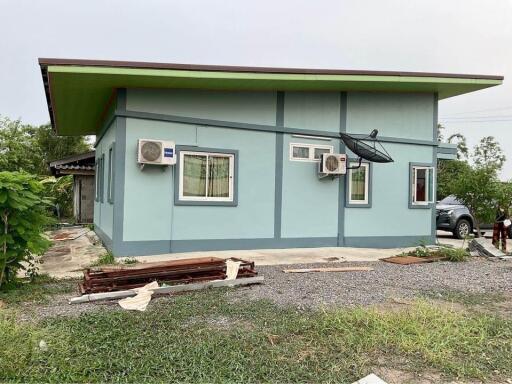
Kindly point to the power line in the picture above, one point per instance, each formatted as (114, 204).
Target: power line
(473, 121)
(477, 117)
(481, 110)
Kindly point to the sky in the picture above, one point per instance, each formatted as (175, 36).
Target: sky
(459, 36)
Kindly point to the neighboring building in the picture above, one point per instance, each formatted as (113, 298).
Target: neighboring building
(247, 142)
(82, 168)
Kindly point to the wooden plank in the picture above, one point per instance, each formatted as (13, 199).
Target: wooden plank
(166, 290)
(341, 269)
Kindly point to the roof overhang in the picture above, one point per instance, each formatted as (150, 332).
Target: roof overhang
(78, 91)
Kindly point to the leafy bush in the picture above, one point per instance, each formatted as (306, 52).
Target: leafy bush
(60, 191)
(23, 216)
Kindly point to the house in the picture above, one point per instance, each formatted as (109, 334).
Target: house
(246, 143)
(82, 168)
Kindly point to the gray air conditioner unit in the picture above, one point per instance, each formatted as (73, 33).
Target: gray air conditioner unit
(156, 152)
(332, 164)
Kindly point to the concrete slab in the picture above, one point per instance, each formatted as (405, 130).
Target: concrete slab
(68, 258)
(287, 256)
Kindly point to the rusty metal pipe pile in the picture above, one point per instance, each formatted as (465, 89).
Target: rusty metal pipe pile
(117, 278)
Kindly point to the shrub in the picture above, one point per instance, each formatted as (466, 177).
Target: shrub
(105, 259)
(23, 216)
(451, 254)
(60, 191)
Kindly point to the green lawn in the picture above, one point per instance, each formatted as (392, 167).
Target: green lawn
(201, 337)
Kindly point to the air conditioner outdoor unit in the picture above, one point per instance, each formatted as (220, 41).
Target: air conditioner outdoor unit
(157, 152)
(332, 164)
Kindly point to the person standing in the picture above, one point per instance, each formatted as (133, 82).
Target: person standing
(500, 230)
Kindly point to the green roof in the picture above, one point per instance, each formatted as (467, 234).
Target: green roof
(78, 91)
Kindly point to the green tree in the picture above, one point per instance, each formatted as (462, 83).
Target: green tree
(18, 148)
(53, 147)
(478, 188)
(30, 148)
(462, 147)
(447, 172)
(504, 198)
(488, 153)
(23, 216)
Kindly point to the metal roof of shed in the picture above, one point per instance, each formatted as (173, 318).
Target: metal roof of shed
(78, 91)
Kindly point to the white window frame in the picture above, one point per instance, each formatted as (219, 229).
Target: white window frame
(429, 190)
(311, 148)
(208, 155)
(366, 184)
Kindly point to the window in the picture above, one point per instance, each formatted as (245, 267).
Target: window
(308, 152)
(206, 176)
(422, 185)
(110, 183)
(97, 174)
(100, 164)
(358, 183)
(102, 177)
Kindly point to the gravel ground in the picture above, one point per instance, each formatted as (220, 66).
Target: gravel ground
(387, 281)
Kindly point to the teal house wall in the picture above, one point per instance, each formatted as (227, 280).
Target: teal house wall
(280, 203)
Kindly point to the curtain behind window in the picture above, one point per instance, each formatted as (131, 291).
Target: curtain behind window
(358, 177)
(421, 181)
(218, 176)
(194, 175)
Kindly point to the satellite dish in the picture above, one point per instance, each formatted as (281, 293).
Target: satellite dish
(366, 151)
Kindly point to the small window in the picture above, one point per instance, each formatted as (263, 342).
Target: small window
(320, 151)
(358, 183)
(308, 152)
(97, 177)
(422, 185)
(110, 182)
(102, 177)
(299, 152)
(206, 176)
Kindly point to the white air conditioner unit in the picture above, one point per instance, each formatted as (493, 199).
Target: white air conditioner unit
(157, 152)
(332, 164)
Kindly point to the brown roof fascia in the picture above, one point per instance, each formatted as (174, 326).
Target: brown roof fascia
(44, 62)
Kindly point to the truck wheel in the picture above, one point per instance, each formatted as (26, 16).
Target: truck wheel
(462, 229)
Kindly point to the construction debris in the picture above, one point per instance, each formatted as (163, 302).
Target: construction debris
(117, 278)
(167, 289)
(232, 268)
(484, 247)
(370, 379)
(141, 300)
(342, 269)
(407, 260)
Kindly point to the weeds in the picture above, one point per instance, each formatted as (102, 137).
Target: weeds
(105, 259)
(448, 253)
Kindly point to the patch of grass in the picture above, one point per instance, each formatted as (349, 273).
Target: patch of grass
(36, 291)
(468, 298)
(451, 254)
(177, 340)
(105, 259)
(130, 261)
